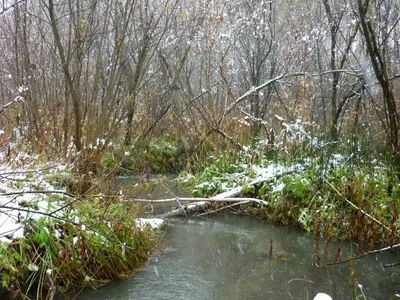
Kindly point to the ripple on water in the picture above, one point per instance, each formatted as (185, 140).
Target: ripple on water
(227, 257)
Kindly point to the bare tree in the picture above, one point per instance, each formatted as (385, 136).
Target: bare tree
(379, 59)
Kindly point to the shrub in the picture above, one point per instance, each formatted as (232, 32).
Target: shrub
(58, 256)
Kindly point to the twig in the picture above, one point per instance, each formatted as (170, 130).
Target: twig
(298, 279)
(26, 172)
(7, 8)
(37, 192)
(37, 212)
(80, 197)
(365, 254)
(357, 208)
(16, 100)
(372, 218)
(181, 206)
(12, 208)
(176, 198)
(391, 265)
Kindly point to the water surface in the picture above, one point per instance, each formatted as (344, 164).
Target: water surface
(227, 257)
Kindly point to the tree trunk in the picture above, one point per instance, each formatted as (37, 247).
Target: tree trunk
(65, 67)
(381, 73)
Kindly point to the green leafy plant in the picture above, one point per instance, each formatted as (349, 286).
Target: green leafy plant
(57, 255)
(298, 188)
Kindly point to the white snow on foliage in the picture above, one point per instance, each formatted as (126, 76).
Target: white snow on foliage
(279, 187)
(17, 206)
(273, 170)
(260, 174)
(143, 223)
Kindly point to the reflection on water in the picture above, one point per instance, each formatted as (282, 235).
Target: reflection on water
(154, 188)
(227, 257)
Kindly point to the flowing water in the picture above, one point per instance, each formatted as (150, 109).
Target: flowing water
(228, 257)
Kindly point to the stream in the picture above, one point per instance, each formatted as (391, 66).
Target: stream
(228, 257)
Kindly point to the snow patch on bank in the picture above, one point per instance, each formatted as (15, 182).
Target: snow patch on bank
(18, 200)
(143, 223)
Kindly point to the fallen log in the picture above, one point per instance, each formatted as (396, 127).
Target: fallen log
(201, 204)
(229, 196)
(222, 208)
(187, 209)
(185, 199)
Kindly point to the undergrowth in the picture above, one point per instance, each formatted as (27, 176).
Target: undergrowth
(158, 157)
(52, 243)
(57, 256)
(313, 186)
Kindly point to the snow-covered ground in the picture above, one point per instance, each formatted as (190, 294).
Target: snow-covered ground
(27, 192)
(142, 223)
(235, 182)
(21, 184)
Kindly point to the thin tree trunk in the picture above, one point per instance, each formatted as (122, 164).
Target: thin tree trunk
(381, 73)
(65, 67)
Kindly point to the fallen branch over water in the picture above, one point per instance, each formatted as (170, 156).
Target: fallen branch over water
(229, 196)
(179, 199)
(201, 204)
(187, 209)
(365, 254)
(222, 208)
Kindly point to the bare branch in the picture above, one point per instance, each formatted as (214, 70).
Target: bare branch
(5, 9)
(365, 254)
(37, 192)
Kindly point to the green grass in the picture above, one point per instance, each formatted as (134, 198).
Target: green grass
(306, 195)
(68, 256)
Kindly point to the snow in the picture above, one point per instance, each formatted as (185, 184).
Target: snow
(337, 159)
(16, 204)
(228, 193)
(235, 181)
(16, 99)
(194, 205)
(187, 178)
(274, 170)
(278, 187)
(143, 223)
(22, 89)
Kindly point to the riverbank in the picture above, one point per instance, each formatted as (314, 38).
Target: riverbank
(56, 232)
(54, 242)
(227, 257)
(334, 196)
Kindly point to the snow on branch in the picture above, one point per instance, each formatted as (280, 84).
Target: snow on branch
(16, 99)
